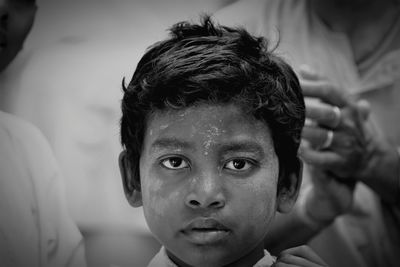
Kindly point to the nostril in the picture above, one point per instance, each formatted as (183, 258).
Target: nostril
(217, 204)
(194, 203)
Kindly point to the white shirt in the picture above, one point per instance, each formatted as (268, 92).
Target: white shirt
(35, 227)
(162, 260)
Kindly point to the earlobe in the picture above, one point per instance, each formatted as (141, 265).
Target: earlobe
(130, 182)
(288, 194)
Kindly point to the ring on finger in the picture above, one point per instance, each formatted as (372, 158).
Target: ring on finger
(328, 140)
(338, 116)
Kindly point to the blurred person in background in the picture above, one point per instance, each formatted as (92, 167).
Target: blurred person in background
(35, 226)
(348, 56)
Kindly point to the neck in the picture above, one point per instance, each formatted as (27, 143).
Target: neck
(344, 15)
(251, 258)
(365, 22)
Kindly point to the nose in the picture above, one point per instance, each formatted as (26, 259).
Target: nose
(206, 192)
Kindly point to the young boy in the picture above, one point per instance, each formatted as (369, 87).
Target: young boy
(211, 126)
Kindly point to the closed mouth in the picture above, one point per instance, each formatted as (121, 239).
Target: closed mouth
(204, 224)
(206, 231)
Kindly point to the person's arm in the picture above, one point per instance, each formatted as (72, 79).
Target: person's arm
(382, 173)
(322, 199)
(289, 230)
(356, 150)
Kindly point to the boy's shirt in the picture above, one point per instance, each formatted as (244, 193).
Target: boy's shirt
(162, 260)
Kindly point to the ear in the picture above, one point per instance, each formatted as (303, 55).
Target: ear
(130, 180)
(289, 191)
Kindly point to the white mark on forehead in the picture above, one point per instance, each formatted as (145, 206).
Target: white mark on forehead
(212, 132)
(184, 113)
(177, 150)
(164, 126)
(193, 131)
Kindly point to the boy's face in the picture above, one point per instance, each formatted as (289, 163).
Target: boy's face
(16, 20)
(209, 178)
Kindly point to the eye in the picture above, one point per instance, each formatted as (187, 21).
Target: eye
(174, 163)
(239, 165)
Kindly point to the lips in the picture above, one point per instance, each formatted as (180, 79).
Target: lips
(205, 231)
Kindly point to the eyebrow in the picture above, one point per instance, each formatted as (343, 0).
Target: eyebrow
(242, 146)
(170, 143)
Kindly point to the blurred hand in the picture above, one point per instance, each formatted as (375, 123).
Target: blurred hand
(339, 141)
(330, 110)
(302, 256)
(325, 199)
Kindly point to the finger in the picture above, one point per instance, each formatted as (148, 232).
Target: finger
(330, 162)
(307, 72)
(317, 137)
(325, 91)
(282, 264)
(292, 260)
(322, 113)
(300, 254)
(326, 160)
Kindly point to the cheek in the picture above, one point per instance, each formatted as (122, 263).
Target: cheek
(158, 201)
(263, 203)
(258, 204)
(154, 203)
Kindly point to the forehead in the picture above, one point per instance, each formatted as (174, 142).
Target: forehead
(205, 125)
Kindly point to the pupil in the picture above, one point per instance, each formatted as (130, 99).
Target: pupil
(238, 164)
(175, 162)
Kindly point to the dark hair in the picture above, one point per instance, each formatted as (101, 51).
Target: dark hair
(215, 64)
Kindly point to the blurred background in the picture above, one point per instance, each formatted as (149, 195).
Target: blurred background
(67, 81)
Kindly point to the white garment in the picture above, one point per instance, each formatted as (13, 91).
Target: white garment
(35, 227)
(162, 260)
(370, 234)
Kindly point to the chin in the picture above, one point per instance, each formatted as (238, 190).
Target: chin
(210, 257)
(208, 263)
(202, 256)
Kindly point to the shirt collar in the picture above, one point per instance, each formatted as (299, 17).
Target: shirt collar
(162, 260)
